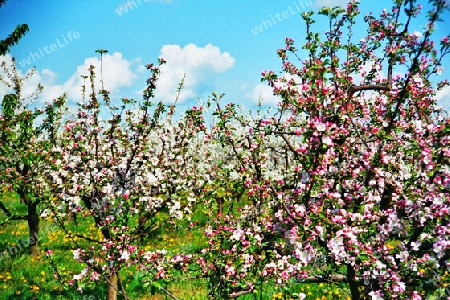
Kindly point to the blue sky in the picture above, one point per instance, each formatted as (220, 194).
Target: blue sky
(221, 45)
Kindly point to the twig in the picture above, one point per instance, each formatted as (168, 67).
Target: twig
(325, 278)
(124, 294)
(373, 87)
(238, 294)
(10, 215)
(169, 293)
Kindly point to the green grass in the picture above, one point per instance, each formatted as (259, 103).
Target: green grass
(23, 277)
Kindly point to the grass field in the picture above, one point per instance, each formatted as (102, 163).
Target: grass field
(23, 277)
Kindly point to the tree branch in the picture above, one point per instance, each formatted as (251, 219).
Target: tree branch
(310, 279)
(5, 210)
(10, 215)
(373, 87)
(239, 293)
(325, 278)
(288, 143)
(169, 293)
(124, 294)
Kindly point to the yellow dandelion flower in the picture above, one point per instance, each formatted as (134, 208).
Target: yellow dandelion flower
(35, 288)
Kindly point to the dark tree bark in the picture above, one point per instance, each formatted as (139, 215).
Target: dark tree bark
(33, 228)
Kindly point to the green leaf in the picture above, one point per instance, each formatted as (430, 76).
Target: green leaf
(337, 11)
(324, 11)
(9, 105)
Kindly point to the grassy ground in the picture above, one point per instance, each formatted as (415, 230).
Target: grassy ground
(23, 277)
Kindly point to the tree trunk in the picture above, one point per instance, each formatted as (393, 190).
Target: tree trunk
(112, 287)
(111, 291)
(113, 278)
(33, 227)
(220, 201)
(354, 286)
(71, 216)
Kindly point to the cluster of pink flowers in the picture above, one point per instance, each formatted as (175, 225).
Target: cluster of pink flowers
(357, 181)
(346, 181)
(133, 166)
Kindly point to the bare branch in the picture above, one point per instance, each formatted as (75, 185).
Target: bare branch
(238, 294)
(373, 87)
(325, 278)
(10, 215)
(310, 279)
(169, 293)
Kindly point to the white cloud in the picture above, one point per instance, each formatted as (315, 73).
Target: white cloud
(29, 86)
(443, 98)
(331, 3)
(117, 74)
(199, 64)
(3, 88)
(264, 94)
